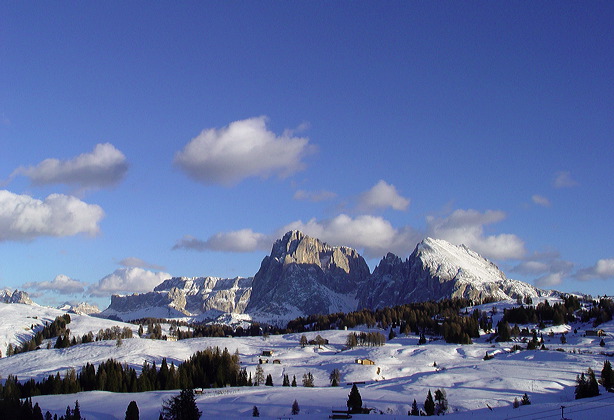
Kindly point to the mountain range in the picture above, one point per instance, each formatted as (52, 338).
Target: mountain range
(304, 276)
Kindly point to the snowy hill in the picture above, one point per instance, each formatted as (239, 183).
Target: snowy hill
(402, 371)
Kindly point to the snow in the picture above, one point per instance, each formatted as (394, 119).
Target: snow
(402, 371)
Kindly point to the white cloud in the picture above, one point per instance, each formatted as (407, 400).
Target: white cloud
(128, 280)
(540, 200)
(60, 284)
(383, 195)
(243, 149)
(467, 227)
(24, 218)
(603, 269)
(137, 262)
(375, 235)
(244, 240)
(563, 179)
(103, 167)
(549, 280)
(315, 196)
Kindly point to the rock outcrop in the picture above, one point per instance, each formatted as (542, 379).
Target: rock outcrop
(17, 296)
(439, 270)
(305, 276)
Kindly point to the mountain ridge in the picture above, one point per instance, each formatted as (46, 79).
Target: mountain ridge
(304, 276)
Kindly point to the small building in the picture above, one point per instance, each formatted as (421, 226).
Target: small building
(263, 361)
(171, 338)
(595, 333)
(277, 362)
(365, 362)
(267, 353)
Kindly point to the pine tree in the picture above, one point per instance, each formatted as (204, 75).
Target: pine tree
(607, 375)
(255, 412)
(414, 409)
(525, 400)
(516, 403)
(295, 408)
(593, 386)
(269, 380)
(286, 380)
(429, 404)
(308, 380)
(181, 407)
(354, 402)
(294, 380)
(303, 341)
(335, 377)
(132, 412)
(442, 401)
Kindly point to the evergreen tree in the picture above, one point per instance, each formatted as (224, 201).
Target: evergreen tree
(422, 339)
(294, 380)
(295, 408)
(308, 380)
(37, 413)
(516, 403)
(607, 375)
(335, 377)
(303, 341)
(132, 412)
(354, 402)
(181, 407)
(286, 380)
(442, 401)
(429, 404)
(269, 380)
(255, 412)
(525, 400)
(593, 386)
(76, 413)
(414, 409)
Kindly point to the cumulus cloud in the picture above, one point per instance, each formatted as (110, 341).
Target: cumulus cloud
(375, 235)
(25, 218)
(603, 269)
(137, 262)
(314, 196)
(467, 227)
(128, 280)
(563, 179)
(244, 240)
(105, 166)
(549, 268)
(549, 280)
(540, 200)
(383, 195)
(243, 149)
(61, 284)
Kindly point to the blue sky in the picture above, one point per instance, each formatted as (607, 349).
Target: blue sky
(140, 140)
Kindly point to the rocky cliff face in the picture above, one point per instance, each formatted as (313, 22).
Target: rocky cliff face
(439, 270)
(182, 296)
(17, 296)
(305, 276)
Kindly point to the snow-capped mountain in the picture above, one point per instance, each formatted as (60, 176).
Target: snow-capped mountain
(439, 270)
(182, 296)
(304, 276)
(17, 296)
(82, 308)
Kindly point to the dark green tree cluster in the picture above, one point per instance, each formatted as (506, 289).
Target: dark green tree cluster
(600, 312)
(209, 368)
(114, 333)
(586, 385)
(16, 409)
(370, 339)
(50, 330)
(437, 405)
(557, 314)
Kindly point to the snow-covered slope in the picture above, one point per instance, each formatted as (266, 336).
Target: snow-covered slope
(403, 371)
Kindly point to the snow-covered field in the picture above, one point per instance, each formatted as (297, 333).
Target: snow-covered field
(476, 388)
